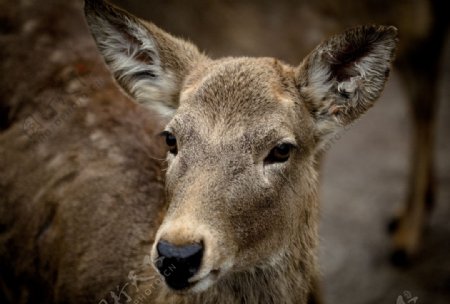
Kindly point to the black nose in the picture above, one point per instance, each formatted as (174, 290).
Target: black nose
(178, 263)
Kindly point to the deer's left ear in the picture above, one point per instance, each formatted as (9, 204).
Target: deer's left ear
(345, 74)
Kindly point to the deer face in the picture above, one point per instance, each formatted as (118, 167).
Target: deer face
(239, 149)
(242, 138)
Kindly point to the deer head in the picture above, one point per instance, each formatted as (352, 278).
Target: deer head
(242, 135)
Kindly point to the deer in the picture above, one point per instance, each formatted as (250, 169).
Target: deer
(243, 135)
(298, 26)
(232, 216)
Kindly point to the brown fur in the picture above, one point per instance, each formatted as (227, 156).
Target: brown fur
(228, 118)
(289, 29)
(91, 202)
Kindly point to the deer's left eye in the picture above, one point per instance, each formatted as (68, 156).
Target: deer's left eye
(171, 142)
(279, 154)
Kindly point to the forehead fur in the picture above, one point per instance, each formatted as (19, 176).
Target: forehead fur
(252, 99)
(246, 85)
(254, 88)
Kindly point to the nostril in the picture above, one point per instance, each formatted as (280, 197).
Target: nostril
(178, 263)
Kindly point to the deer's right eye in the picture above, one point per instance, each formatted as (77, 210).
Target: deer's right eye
(171, 142)
(279, 154)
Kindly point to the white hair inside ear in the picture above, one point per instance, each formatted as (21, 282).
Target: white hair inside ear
(148, 63)
(343, 77)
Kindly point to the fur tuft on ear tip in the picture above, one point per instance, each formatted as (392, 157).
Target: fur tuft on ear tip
(389, 30)
(96, 10)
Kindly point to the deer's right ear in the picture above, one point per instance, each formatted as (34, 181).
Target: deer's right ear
(147, 62)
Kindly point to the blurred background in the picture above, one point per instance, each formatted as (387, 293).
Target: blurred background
(365, 172)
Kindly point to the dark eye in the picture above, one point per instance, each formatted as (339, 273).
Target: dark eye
(171, 142)
(279, 154)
